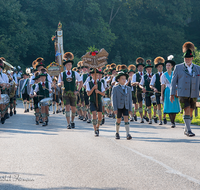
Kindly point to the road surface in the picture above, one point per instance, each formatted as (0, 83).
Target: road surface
(54, 157)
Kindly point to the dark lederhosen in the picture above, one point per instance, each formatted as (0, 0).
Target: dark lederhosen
(158, 87)
(25, 95)
(92, 98)
(35, 99)
(70, 86)
(138, 89)
(133, 92)
(149, 92)
(83, 94)
(55, 96)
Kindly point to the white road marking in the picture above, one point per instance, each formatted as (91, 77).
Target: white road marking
(168, 168)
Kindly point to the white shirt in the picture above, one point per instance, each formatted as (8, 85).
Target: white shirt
(134, 77)
(189, 68)
(16, 80)
(4, 77)
(153, 80)
(88, 86)
(32, 77)
(77, 76)
(37, 86)
(1, 80)
(142, 80)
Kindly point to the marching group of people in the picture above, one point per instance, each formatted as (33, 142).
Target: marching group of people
(91, 94)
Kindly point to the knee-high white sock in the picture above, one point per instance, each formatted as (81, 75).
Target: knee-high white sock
(27, 105)
(53, 106)
(24, 105)
(127, 127)
(117, 126)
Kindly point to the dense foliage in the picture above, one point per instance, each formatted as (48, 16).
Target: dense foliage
(127, 29)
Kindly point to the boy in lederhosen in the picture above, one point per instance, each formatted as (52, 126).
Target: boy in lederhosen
(122, 102)
(24, 89)
(145, 86)
(155, 85)
(56, 91)
(94, 90)
(43, 88)
(84, 96)
(35, 97)
(138, 91)
(67, 80)
(131, 71)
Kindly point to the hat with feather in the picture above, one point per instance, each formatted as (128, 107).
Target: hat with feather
(68, 58)
(123, 68)
(108, 67)
(131, 68)
(148, 64)
(121, 73)
(140, 61)
(74, 69)
(37, 75)
(113, 66)
(39, 62)
(170, 60)
(159, 61)
(188, 49)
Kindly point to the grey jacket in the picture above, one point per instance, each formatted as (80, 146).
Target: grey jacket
(120, 99)
(21, 82)
(187, 85)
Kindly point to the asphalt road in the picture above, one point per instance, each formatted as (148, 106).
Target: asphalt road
(53, 157)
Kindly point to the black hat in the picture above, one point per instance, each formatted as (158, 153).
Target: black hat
(68, 61)
(159, 61)
(37, 77)
(119, 74)
(188, 49)
(140, 61)
(169, 60)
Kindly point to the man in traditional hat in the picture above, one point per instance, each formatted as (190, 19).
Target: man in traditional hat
(67, 80)
(136, 82)
(186, 83)
(155, 85)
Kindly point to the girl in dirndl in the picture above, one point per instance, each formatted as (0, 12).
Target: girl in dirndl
(169, 108)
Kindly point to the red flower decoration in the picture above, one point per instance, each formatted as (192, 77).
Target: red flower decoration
(93, 53)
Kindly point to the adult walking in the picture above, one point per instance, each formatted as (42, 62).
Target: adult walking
(186, 79)
(171, 108)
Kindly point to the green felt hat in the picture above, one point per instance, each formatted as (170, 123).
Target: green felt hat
(148, 65)
(68, 61)
(188, 49)
(37, 77)
(131, 70)
(121, 73)
(40, 64)
(140, 61)
(188, 54)
(43, 74)
(93, 71)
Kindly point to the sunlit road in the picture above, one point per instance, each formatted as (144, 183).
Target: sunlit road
(53, 157)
